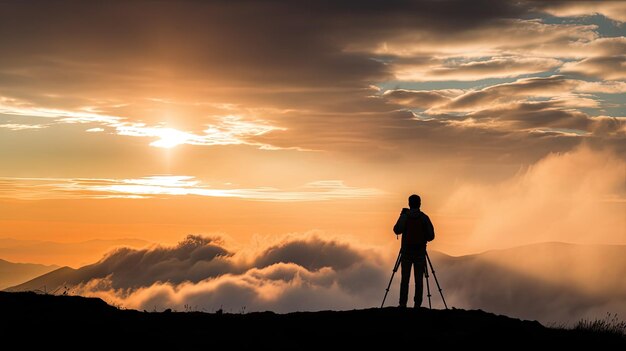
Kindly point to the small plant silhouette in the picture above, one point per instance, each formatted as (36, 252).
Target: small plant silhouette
(610, 324)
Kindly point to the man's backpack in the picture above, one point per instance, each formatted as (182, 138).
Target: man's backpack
(418, 230)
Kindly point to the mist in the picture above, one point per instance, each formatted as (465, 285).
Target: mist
(303, 272)
(549, 282)
(575, 197)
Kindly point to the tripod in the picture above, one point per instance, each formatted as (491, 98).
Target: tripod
(426, 264)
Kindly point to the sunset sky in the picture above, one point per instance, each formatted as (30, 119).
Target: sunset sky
(257, 119)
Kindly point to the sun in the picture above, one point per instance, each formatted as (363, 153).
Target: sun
(169, 138)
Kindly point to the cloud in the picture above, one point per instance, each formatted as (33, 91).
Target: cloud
(524, 89)
(615, 10)
(570, 93)
(19, 107)
(550, 116)
(607, 87)
(166, 186)
(494, 67)
(607, 67)
(193, 259)
(608, 46)
(230, 130)
(507, 92)
(531, 105)
(307, 91)
(504, 41)
(530, 117)
(312, 271)
(14, 126)
(421, 98)
(566, 197)
(550, 282)
(293, 273)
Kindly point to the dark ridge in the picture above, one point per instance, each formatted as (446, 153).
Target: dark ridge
(73, 322)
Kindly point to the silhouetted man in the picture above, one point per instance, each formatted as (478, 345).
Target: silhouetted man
(416, 229)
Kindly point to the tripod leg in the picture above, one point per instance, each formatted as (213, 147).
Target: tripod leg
(395, 269)
(427, 285)
(436, 281)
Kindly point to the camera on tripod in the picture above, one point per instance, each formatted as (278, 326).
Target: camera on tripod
(427, 263)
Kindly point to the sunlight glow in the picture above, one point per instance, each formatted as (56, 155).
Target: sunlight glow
(229, 130)
(165, 185)
(170, 138)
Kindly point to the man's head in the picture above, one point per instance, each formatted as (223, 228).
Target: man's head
(415, 201)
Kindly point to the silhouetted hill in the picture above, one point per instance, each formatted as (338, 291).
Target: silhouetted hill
(49, 282)
(76, 322)
(17, 273)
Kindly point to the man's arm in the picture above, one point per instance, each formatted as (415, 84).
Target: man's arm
(400, 223)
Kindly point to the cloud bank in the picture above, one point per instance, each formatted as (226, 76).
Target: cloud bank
(297, 273)
(314, 272)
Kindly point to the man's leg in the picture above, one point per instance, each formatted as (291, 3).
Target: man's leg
(404, 281)
(420, 265)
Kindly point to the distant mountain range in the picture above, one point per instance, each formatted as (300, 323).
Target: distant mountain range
(550, 282)
(16, 273)
(65, 254)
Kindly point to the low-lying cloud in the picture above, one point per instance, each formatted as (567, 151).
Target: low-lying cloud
(297, 273)
(314, 272)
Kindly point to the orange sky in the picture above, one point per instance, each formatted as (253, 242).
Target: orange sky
(126, 121)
